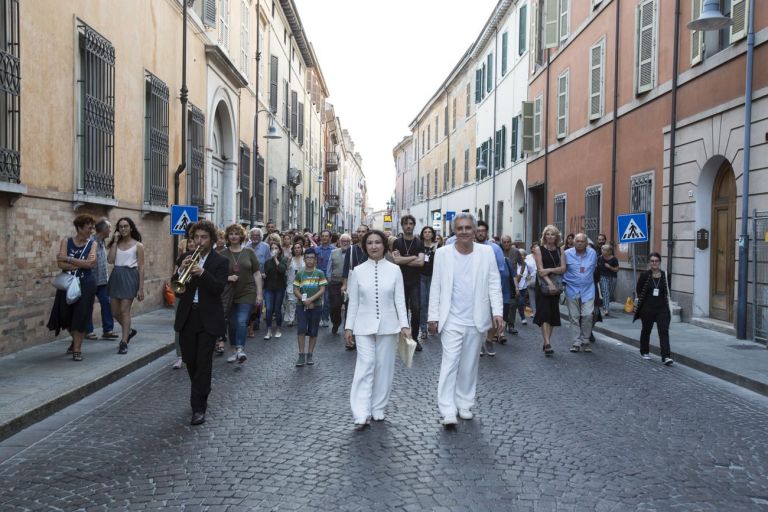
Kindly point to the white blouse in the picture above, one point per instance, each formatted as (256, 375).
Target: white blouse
(376, 299)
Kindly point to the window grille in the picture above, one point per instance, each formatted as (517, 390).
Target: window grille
(641, 200)
(245, 181)
(592, 213)
(560, 213)
(10, 93)
(196, 156)
(97, 112)
(156, 142)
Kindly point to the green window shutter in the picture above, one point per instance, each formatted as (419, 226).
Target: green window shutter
(482, 87)
(521, 32)
(739, 15)
(477, 164)
(489, 85)
(513, 152)
(697, 36)
(646, 46)
(504, 38)
(551, 22)
(503, 148)
(478, 85)
(497, 151)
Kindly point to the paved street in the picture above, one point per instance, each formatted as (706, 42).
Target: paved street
(605, 431)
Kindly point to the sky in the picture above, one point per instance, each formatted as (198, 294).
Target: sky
(382, 61)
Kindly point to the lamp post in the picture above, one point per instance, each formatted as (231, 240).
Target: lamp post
(272, 133)
(183, 97)
(712, 19)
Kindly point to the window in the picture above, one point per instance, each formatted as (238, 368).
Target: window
(156, 141)
(559, 222)
(96, 132)
(437, 127)
(521, 29)
(565, 20)
(421, 190)
(245, 181)
(740, 17)
(641, 200)
(259, 169)
(562, 105)
(478, 87)
(697, 36)
(537, 124)
(260, 62)
(446, 177)
(592, 212)
(301, 123)
(489, 82)
(245, 16)
(504, 45)
(596, 80)
(500, 150)
(207, 12)
(274, 201)
(513, 153)
(294, 114)
(273, 81)
(453, 173)
(10, 94)
(499, 218)
(286, 103)
(429, 137)
(469, 94)
(527, 118)
(466, 165)
(445, 121)
(645, 59)
(224, 24)
(556, 22)
(537, 34)
(196, 144)
(434, 190)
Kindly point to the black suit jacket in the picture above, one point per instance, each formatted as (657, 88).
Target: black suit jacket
(210, 284)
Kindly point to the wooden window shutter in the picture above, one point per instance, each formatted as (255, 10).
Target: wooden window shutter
(504, 44)
(646, 46)
(503, 148)
(294, 114)
(478, 85)
(562, 105)
(209, 13)
(551, 22)
(537, 124)
(522, 24)
(273, 64)
(697, 36)
(489, 84)
(477, 163)
(596, 80)
(514, 136)
(564, 27)
(739, 15)
(301, 123)
(497, 151)
(534, 41)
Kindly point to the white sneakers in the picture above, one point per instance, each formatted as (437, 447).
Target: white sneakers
(449, 420)
(647, 357)
(278, 333)
(268, 335)
(232, 358)
(466, 414)
(238, 356)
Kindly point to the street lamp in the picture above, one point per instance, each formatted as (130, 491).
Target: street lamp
(272, 134)
(712, 19)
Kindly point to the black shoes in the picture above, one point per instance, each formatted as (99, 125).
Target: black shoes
(198, 418)
(122, 348)
(131, 334)
(419, 348)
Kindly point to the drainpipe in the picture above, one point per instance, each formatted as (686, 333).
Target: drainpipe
(448, 149)
(494, 149)
(254, 193)
(545, 142)
(672, 145)
(741, 310)
(615, 120)
(183, 97)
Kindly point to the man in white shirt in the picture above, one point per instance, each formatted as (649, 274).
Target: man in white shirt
(462, 317)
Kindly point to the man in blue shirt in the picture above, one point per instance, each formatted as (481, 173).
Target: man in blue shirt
(323, 252)
(481, 237)
(580, 263)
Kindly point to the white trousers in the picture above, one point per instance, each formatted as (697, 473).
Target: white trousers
(374, 372)
(458, 372)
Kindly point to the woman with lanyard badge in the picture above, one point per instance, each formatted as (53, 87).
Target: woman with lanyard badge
(652, 305)
(295, 265)
(430, 246)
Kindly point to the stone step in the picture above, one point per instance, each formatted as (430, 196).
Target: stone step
(714, 325)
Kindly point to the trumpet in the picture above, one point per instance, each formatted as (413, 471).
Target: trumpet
(179, 286)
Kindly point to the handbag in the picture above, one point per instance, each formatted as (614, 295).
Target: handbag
(557, 287)
(68, 282)
(73, 291)
(62, 281)
(405, 349)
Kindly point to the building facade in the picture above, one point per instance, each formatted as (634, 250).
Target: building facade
(95, 127)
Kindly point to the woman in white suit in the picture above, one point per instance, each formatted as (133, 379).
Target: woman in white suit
(376, 315)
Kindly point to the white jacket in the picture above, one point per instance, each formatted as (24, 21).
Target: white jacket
(376, 299)
(487, 293)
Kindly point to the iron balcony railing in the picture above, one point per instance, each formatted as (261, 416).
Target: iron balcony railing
(332, 202)
(331, 161)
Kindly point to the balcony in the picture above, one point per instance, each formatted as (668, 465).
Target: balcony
(331, 162)
(331, 203)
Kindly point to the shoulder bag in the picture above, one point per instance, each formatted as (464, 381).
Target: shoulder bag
(557, 287)
(68, 281)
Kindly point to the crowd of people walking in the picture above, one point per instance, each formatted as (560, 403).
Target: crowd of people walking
(469, 289)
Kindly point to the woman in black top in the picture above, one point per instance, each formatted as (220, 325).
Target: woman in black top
(652, 305)
(430, 246)
(607, 269)
(275, 270)
(549, 260)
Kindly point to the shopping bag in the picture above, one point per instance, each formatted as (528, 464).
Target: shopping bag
(405, 349)
(73, 291)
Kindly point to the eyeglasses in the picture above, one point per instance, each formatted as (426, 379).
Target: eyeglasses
(655, 261)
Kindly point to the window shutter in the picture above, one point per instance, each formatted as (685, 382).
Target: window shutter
(551, 21)
(503, 148)
(489, 85)
(294, 114)
(478, 85)
(301, 123)
(515, 134)
(537, 124)
(646, 46)
(522, 24)
(209, 13)
(273, 63)
(534, 42)
(497, 151)
(596, 80)
(504, 42)
(562, 105)
(739, 15)
(477, 163)
(445, 122)
(564, 20)
(697, 36)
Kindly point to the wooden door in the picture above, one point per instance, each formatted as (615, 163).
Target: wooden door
(722, 245)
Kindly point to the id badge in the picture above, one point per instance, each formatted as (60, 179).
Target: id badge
(426, 258)
(236, 268)
(303, 296)
(655, 292)
(583, 269)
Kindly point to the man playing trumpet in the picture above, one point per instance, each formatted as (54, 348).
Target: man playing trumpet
(200, 314)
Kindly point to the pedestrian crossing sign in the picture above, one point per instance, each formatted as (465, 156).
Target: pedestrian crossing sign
(182, 216)
(633, 228)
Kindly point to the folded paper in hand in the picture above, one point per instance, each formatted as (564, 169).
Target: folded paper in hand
(405, 349)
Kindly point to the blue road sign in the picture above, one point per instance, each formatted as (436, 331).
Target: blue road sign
(633, 228)
(449, 216)
(181, 218)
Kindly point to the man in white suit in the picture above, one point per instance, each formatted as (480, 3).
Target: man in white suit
(464, 302)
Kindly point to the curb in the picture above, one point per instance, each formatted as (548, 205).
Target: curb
(728, 376)
(41, 412)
